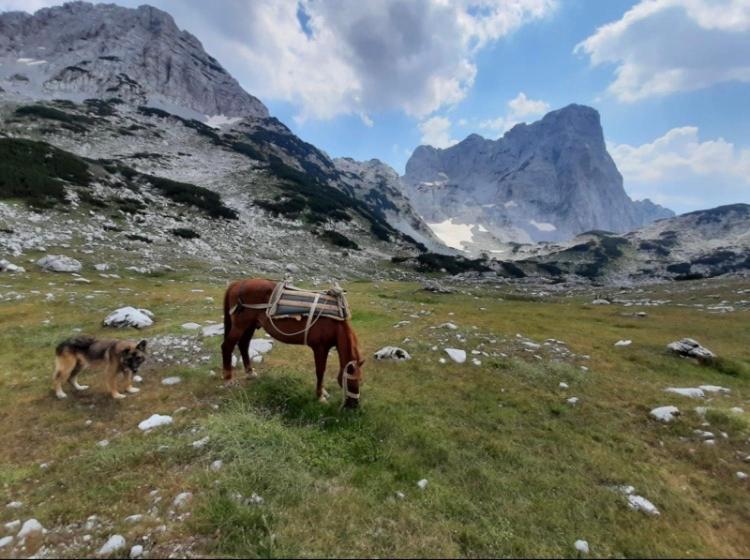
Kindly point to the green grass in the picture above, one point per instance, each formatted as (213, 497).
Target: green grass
(512, 469)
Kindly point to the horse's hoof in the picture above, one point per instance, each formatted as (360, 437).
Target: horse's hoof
(229, 383)
(323, 399)
(325, 394)
(252, 374)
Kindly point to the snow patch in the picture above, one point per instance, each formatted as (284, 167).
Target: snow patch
(217, 121)
(543, 226)
(453, 234)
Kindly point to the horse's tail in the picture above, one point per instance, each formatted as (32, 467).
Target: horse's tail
(227, 314)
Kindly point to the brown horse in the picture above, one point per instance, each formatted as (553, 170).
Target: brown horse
(240, 323)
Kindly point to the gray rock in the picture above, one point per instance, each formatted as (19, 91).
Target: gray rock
(139, 55)
(691, 348)
(59, 263)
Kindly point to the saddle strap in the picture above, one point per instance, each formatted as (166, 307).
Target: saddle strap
(310, 316)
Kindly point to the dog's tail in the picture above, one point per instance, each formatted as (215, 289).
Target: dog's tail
(76, 344)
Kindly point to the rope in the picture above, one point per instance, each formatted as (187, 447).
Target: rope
(310, 317)
(308, 326)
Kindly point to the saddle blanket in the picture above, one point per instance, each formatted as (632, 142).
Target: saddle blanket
(288, 301)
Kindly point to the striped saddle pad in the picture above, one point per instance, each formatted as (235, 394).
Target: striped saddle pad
(288, 301)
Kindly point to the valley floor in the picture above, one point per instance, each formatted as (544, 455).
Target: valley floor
(512, 466)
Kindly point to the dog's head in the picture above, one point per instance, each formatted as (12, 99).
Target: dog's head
(133, 356)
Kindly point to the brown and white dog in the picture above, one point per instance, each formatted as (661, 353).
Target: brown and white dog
(116, 356)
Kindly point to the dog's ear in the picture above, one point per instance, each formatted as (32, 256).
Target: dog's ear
(141, 345)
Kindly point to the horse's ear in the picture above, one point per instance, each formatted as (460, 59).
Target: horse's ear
(350, 369)
(361, 362)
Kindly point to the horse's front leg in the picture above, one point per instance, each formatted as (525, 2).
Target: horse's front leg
(244, 343)
(321, 358)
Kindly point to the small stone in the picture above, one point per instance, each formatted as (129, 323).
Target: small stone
(572, 401)
(174, 380)
(580, 545)
(103, 443)
(136, 551)
(217, 465)
(198, 444)
(400, 495)
(182, 499)
(741, 475)
(134, 518)
(621, 343)
(14, 505)
(563, 385)
(113, 544)
(422, 484)
(5, 541)
(13, 526)
(30, 527)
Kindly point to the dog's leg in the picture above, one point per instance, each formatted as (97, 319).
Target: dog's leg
(244, 345)
(61, 375)
(129, 383)
(112, 381)
(73, 374)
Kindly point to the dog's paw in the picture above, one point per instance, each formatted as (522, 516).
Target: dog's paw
(132, 390)
(118, 396)
(78, 387)
(61, 395)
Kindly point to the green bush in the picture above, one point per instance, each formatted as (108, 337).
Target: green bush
(185, 233)
(36, 172)
(199, 197)
(339, 240)
(434, 262)
(74, 123)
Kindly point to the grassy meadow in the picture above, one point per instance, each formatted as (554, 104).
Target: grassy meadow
(512, 468)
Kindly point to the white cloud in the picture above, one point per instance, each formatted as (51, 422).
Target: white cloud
(333, 57)
(682, 170)
(520, 108)
(661, 47)
(436, 131)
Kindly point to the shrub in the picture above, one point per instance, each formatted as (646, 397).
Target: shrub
(196, 196)
(434, 262)
(185, 233)
(339, 240)
(71, 122)
(35, 171)
(136, 237)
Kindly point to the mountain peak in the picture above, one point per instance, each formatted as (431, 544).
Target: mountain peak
(80, 50)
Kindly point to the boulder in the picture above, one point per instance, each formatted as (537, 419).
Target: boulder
(129, 317)
(154, 421)
(59, 263)
(691, 349)
(665, 413)
(457, 355)
(7, 266)
(113, 544)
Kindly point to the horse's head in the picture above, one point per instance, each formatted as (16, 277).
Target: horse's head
(350, 378)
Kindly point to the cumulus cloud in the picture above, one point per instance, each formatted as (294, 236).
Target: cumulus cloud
(332, 57)
(681, 170)
(520, 109)
(436, 131)
(664, 46)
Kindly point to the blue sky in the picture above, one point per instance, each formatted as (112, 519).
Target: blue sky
(670, 78)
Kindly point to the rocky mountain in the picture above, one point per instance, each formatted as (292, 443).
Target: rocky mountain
(80, 50)
(545, 181)
(171, 159)
(379, 186)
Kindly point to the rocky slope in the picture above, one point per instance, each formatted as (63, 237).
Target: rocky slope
(80, 50)
(701, 244)
(547, 181)
(134, 105)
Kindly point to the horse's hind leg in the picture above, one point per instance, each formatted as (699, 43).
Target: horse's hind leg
(321, 358)
(227, 347)
(245, 351)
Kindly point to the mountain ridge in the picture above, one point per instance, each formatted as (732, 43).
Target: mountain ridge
(544, 181)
